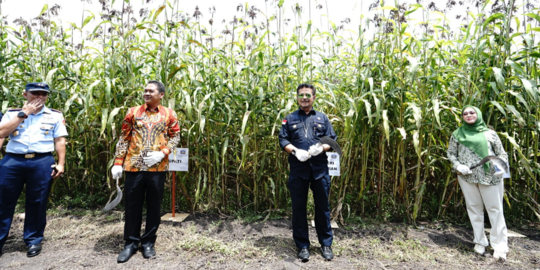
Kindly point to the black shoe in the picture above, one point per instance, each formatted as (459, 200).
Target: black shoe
(33, 250)
(327, 253)
(303, 254)
(148, 252)
(126, 254)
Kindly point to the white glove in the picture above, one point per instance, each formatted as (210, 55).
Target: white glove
(315, 149)
(464, 170)
(116, 171)
(498, 172)
(301, 155)
(152, 158)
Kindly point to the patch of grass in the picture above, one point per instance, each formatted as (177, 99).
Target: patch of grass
(193, 241)
(248, 216)
(81, 200)
(410, 244)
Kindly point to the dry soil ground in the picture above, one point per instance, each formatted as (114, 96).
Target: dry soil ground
(93, 240)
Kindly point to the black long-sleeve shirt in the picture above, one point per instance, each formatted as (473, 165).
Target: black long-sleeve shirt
(304, 130)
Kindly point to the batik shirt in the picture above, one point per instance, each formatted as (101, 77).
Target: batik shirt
(459, 154)
(144, 131)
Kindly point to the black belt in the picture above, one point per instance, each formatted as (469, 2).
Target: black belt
(30, 155)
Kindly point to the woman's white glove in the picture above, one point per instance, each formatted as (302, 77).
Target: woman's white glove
(301, 155)
(152, 158)
(116, 171)
(464, 170)
(315, 149)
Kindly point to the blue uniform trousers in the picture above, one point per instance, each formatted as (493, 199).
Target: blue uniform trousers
(15, 171)
(299, 187)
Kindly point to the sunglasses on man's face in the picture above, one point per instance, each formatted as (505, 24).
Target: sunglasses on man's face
(39, 93)
(304, 95)
(467, 113)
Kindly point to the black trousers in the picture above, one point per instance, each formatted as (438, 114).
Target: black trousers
(140, 186)
(299, 188)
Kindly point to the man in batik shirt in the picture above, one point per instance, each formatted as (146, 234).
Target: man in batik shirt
(149, 133)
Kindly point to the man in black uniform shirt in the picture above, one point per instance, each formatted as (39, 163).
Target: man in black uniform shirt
(300, 132)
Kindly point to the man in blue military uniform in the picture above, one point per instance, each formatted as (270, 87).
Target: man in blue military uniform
(300, 132)
(34, 132)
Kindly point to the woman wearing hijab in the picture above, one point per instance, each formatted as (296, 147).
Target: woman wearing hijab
(483, 185)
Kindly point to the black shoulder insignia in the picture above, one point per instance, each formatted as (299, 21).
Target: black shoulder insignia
(14, 110)
(54, 110)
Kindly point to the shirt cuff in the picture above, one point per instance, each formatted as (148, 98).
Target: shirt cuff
(283, 143)
(166, 151)
(119, 161)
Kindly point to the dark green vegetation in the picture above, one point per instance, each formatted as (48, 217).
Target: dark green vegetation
(393, 90)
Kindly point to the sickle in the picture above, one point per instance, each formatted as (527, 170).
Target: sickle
(333, 144)
(110, 205)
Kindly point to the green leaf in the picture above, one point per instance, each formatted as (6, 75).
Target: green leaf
(520, 120)
(244, 122)
(368, 110)
(69, 102)
(498, 77)
(530, 88)
(386, 126)
(416, 142)
(202, 118)
(104, 114)
(308, 28)
(48, 80)
(87, 20)
(158, 11)
(44, 9)
(415, 8)
(493, 17)
(437, 111)
(520, 98)
(112, 115)
(413, 65)
(388, 8)
(501, 109)
(534, 16)
(417, 114)
(108, 88)
(516, 67)
(403, 133)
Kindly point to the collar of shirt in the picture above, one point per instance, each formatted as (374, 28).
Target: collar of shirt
(43, 110)
(146, 108)
(303, 113)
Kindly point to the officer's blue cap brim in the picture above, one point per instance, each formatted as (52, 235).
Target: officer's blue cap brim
(39, 89)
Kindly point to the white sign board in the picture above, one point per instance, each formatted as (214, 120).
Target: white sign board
(179, 162)
(333, 163)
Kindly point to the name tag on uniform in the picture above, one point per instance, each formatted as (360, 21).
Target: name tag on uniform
(180, 161)
(333, 163)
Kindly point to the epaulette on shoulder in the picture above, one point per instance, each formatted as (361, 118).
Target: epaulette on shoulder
(14, 110)
(56, 111)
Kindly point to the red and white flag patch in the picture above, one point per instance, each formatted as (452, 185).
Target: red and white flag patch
(284, 122)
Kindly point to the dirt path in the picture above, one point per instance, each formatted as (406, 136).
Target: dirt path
(93, 241)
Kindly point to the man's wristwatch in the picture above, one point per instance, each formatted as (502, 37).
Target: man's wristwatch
(293, 152)
(22, 114)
